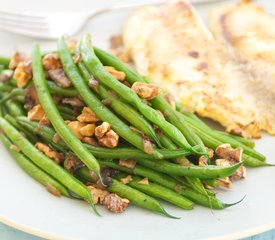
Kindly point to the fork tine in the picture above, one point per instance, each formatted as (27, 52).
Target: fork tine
(13, 24)
(23, 17)
(27, 32)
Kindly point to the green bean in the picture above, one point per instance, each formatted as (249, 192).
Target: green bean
(45, 163)
(14, 92)
(97, 106)
(241, 140)
(15, 108)
(5, 61)
(166, 142)
(96, 68)
(48, 133)
(14, 123)
(34, 171)
(159, 191)
(123, 109)
(207, 201)
(162, 179)
(54, 116)
(137, 197)
(209, 171)
(5, 87)
(65, 92)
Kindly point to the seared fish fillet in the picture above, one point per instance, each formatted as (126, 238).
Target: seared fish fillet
(248, 33)
(170, 45)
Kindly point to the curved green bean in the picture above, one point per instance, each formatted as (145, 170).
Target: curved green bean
(15, 108)
(34, 171)
(45, 163)
(65, 92)
(209, 171)
(54, 116)
(95, 104)
(159, 191)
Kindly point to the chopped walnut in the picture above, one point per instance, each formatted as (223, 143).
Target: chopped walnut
(170, 100)
(223, 162)
(115, 203)
(98, 195)
(57, 157)
(148, 146)
(60, 78)
(56, 138)
(210, 152)
(71, 43)
(183, 161)
(203, 161)
(53, 190)
(109, 140)
(126, 180)
(73, 101)
(224, 182)
(75, 126)
(36, 113)
(51, 61)
(93, 84)
(87, 116)
(120, 76)
(16, 58)
(15, 148)
(23, 73)
(71, 162)
(31, 98)
(90, 140)
(128, 163)
(102, 129)
(145, 91)
(227, 152)
(6, 75)
(239, 174)
(144, 181)
(88, 130)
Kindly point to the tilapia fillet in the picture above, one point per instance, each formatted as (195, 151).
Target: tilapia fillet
(170, 45)
(248, 33)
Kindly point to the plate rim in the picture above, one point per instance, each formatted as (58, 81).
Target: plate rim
(40, 233)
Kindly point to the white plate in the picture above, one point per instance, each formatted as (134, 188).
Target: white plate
(27, 206)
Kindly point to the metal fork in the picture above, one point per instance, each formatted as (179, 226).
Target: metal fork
(52, 25)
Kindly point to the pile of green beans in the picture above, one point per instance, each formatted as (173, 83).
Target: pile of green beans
(178, 139)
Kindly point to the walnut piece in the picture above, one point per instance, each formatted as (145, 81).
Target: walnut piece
(227, 152)
(145, 91)
(203, 161)
(224, 182)
(120, 76)
(15, 148)
(60, 78)
(128, 163)
(75, 126)
(98, 195)
(88, 130)
(102, 129)
(87, 116)
(109, 140)
(36, 113)
(90, 140)
(51, 61)
(16, 58)
(115, 203)
(73, 101)
(49, 152)
(23, 73)
(126, 180)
